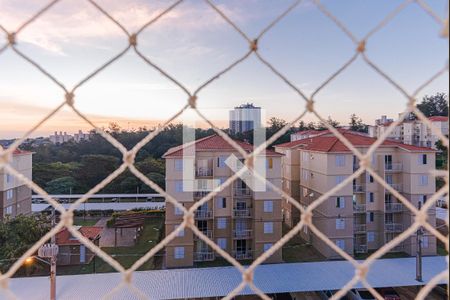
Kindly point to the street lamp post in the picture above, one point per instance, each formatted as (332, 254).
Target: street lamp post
(50, 251)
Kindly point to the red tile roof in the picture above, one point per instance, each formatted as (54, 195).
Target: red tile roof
(327, 142)
(213, 143)
(438, 119)
(305, 132)
(21, 152)
(64, 237)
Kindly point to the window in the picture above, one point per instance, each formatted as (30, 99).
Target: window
(339, 179)
(425, 242)
(268, 227)
(269, 163)
(305, 192)
(179, 186)
(305, 174)
(222, 243)
(305, 156)
(178, 165)
(371, 236)
(340, 160)
(221, 223)
(9, 194)
(178, 211)
(181, 233)
(423, 159)
(371, 179)
(8, 210)
(423, 180)
(340, 244)
(221, 202)
(423, 199)
(340, 224)
(267, 247)
(179, 252)
(268, 206)
(221, 161)
(371, 197)
(8, 178)
(340, 202)
(371, 217)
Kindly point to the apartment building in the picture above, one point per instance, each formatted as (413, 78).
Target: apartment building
(300, 135)
(15, 197)
(244, 118)
(411, 131)
(243, 222)
(363, 215)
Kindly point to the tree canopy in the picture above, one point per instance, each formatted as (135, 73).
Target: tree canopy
(436, 105)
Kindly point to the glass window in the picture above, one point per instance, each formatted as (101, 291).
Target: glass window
(339, 179)
(340, 224)
(341, 244)
(222, 243)
(178, 211)
(370, 217)
(221, 202)
(221, 161)
(179, 186)
(9, 194)
(423, 180)
(371, 197)
(267, 247)
(8, 210)
(423, 159)
(340, 202)
(425, 242)
(178, 164)
(179, 252)
(371, 236)
(221, 223)
(181, 233)
(268, 206)
(340, 160)
(268, 227)
(269, 163)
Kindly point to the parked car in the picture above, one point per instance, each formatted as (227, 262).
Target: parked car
(388, 294)
(361, 294)
(325, 295)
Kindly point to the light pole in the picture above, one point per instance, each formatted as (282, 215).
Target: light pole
(419, 251)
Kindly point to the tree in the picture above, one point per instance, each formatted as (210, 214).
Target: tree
(436, 105)
(129, 185)
(95, 168)
(157, 178)
(18, 235)
(356, 124)
(331, 122)
(63, 185)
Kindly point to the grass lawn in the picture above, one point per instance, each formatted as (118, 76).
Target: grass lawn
(126, 256)
(85, 222)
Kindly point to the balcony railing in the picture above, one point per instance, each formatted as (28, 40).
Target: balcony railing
(360, 248)
(204, 256)
(203, 214)
(242, 255)
(208, 233)
(242, 213)
(393, 167)
(359, 208)
(204, 172)
(359, 188)
(393, 207)
(200, 195)
(242, 234)
(360, 228)
(397, 187)
(393, 227)
(242, 192)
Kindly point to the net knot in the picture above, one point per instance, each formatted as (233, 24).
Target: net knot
(421, 217)
(307, 217)
(127, 277)
(254, 45)
(133, 40)
(5, 158)
(365, 163)
(310, 106)
(11, 38)
(70, 98)
(193, 101)
(247, 276)
(67, 218)
(361, 271)
(362, 46)
(128, 158)
(189, 219)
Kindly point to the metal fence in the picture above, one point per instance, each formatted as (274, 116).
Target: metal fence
(361, 44)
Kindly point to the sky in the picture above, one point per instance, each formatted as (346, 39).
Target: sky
(192, 43)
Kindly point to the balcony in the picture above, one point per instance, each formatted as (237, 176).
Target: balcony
(208, 233)
(242, 192)
(243, 255)
(393, 227)
(242, 213)
(393, 167)
(204, 172)
(397, 187)
(393, 207)
(360, 248)
(204, 256)
(203, 214)
(200, 195)
(359, 189)
(359, 208)
(360, 228)
(242, 234)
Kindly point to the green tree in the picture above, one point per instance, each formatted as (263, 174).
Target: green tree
(436, 105)
(95, 168)
(63, 185)
(357, 124)
(157, 178)
(331, 122)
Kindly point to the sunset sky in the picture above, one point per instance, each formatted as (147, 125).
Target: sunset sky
(193, 43)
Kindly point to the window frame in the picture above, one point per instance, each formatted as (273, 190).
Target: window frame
(268, 227)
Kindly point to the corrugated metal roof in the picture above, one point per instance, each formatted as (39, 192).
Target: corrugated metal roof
(218, 282)
(120, 206)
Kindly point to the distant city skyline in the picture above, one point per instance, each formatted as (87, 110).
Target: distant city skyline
(193, 43)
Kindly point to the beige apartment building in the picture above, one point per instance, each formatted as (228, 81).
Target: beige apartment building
(362, 216)
(243, 222)
(15, 197)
